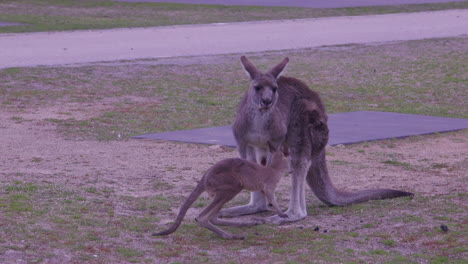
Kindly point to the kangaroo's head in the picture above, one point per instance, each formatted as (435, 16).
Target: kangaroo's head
(263, 91)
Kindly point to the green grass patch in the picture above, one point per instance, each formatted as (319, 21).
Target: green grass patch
(389, 242)
(118, 101)
(54, 15)
(398, 163)
(340, 162)
(129, 252)
(440, 166)
(378, 252)
(407, 218)
(91, 224)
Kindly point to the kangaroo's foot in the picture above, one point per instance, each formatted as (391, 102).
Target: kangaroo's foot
(250, 222)
(287, 217)
(242, 210)
(258, 220)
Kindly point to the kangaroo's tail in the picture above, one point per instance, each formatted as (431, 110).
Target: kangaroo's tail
(320, 183)
(199, 189)
(342, 198)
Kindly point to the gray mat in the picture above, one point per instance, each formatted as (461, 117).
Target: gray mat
(345, 128)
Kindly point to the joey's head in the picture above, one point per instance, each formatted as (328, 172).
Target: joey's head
(263, 91)
(278, 161)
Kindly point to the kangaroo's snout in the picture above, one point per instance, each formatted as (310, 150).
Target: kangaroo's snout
(266, 102)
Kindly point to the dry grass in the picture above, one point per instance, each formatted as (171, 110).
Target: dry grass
(73, 191)
(66, 207)
(118, 100)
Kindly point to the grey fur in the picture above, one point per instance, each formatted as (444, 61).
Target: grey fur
(296, 120)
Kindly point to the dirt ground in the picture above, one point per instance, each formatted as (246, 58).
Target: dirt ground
(32, 151)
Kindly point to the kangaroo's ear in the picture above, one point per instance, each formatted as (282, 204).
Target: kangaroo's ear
(249, 67)
(276, 71)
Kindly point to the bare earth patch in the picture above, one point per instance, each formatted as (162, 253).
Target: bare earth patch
(75, 189)
(33, 153)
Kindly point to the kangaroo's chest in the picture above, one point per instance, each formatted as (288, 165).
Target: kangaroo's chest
(262, 130)
(257, 138)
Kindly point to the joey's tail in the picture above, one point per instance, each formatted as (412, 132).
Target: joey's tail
(199, 189)
(320, 183)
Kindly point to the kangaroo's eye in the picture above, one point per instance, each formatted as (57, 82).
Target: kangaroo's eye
(257, 88)
(274, 89)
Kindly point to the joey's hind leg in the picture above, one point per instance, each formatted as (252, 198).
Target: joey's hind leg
(258, 202)
(210, 214)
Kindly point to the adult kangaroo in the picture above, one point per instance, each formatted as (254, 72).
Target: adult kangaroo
(286, 113)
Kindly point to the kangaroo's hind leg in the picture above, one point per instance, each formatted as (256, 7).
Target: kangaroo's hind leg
(226, 222)
(210, 214)
(297, 204)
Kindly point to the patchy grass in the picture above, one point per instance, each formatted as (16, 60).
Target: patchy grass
(131, 98)
(53, 15)
(405, 165)
(100, 226)
(79, 222)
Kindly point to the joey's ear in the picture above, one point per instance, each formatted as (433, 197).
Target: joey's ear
(249, 67)
(276, 71)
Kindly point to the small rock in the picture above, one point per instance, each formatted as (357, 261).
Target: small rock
(316, 229)
(325, 231)
(444, 228)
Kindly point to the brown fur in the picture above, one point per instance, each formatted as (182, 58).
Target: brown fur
(224, 181)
